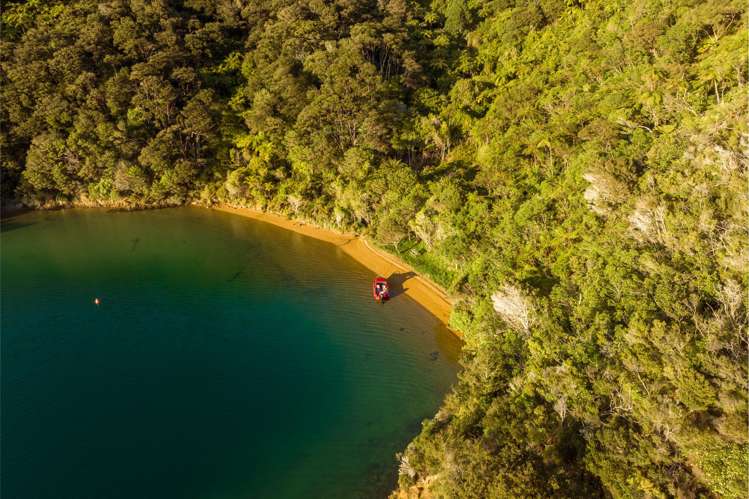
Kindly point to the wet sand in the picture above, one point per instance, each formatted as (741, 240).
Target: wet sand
(401, 276)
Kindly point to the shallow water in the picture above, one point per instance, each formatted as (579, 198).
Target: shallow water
(228, 359)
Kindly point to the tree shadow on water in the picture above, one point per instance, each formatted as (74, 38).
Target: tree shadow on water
(8, 218)
(396, 281)
(8, 225)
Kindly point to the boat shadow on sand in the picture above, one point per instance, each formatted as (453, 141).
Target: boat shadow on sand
(396, 281)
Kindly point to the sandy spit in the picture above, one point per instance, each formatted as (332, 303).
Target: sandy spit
(418, 287)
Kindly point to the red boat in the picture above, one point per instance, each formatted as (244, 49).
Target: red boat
(380, 291)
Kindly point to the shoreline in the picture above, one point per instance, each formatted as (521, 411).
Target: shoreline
(418, 288)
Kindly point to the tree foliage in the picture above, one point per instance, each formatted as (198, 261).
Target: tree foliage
(574, 171)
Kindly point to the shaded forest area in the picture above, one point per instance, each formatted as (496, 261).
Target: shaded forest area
(575, 173)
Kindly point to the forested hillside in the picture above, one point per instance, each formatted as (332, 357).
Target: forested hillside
(575, 173)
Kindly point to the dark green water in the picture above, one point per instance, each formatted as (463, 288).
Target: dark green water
(228, 359)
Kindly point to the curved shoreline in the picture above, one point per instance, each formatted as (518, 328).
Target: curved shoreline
(421, 289)
(418, 287)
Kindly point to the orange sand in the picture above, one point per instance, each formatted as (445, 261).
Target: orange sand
(419, 288)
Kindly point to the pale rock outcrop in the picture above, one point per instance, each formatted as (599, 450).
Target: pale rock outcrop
(513, 307)
(603, 190)
(648, 221)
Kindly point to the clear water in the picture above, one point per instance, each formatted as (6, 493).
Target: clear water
(228, 359)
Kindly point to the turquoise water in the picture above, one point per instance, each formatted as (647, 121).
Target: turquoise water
(228, 359)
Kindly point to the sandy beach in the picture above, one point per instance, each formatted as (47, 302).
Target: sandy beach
(419, 288)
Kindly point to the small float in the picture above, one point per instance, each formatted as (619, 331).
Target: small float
(380, 291)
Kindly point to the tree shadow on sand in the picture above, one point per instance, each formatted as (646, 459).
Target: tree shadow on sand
(396, 281)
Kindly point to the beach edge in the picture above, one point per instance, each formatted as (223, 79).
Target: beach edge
(419, 288)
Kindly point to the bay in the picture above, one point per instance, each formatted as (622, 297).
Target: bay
(228, 358)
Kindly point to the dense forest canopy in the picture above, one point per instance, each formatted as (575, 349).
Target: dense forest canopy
(574, 172)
